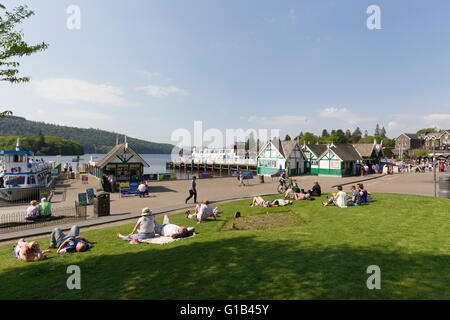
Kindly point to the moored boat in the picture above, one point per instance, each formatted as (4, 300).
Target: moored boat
(21, 175)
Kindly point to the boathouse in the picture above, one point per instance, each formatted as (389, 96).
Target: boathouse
(339, 160)
(121, 163)
(370, 153)
(312, 152)
(279, 155)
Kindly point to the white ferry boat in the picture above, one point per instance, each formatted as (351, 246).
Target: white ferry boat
(219, 156)
(21, 175)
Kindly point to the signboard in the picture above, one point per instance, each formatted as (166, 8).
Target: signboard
(335, 164)
(167, 176)
(205, 175)
(82, 199)
(129, 189)
(55, 172)
(90, 195)
(84, 179)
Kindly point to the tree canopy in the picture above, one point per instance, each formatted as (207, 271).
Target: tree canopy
(13, 46)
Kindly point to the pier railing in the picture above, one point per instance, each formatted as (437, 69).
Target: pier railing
(16, 221)
(216, 161)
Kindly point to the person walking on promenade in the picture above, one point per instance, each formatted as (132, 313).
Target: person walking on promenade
(192, 190)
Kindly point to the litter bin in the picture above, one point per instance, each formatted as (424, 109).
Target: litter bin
(444, 187)
(261, 179)
(101, 204)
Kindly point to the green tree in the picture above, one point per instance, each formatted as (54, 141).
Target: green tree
(13, 46)
(309, 138)
(356, 135)
(426, 130)
(325, 133)
(383, 132)
(287, 138)
(377, 132)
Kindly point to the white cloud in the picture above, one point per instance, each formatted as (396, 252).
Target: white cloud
(82, 114)
(343, 114)
(159, 91)
(437, 117)
(279, 120)
(69, 91)
(292, 16)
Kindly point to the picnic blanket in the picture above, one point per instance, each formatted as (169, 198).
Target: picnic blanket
(158, 240)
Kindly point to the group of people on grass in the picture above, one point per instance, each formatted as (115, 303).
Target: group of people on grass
(358, 196)
(147, 228)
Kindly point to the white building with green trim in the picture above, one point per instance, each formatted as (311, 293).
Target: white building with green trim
(312, 152)
(279, 155)
(339, 160)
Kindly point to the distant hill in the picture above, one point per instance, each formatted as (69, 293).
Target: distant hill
(42, 145)
(92, 140)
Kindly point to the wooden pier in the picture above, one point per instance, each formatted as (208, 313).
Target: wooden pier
(225, 168)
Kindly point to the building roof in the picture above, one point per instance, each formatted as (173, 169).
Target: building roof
(364, 149)
(346, 152)
(277, 143)
(317, 149)
(412, 135)
(288, 146)
(110, 155)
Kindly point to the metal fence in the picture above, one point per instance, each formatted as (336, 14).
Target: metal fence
(15, 221)
(26, 195)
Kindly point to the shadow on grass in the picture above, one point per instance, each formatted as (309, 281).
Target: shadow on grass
(237, 267)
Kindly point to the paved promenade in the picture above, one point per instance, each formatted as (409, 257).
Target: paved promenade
(169, 196)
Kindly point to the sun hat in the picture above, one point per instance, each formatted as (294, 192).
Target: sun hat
(43, 199)
(206, 201)
(146, 212)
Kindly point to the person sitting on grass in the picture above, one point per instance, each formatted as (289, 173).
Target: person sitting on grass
(339, 199)
(258, 201)
(167, 229)
(203, 212)
(292, 191)
(71, 243)
(28, 251)
(45, 208)
(316, 191)
(33, 211)
(365, 195)
(146, 225)
(355, 199)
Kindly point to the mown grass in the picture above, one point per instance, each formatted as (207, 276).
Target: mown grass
(323, 254)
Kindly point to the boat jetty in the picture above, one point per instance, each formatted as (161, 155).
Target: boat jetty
(217, 160)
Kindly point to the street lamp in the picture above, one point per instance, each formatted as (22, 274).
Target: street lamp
(434, 165)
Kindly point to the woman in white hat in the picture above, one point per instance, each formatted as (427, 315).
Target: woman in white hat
(146, 225)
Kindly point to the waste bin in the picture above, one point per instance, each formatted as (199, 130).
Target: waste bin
(101, 204)
(444, 187)
(261, 179)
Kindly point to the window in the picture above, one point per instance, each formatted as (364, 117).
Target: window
(31, 180)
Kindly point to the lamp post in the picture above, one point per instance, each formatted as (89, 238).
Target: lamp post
(434, 166)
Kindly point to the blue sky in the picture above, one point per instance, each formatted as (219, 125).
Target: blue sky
(146, 68)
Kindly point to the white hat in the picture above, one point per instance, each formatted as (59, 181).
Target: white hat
(146, 212)
(43, 199)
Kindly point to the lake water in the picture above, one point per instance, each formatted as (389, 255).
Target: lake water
(157, 163)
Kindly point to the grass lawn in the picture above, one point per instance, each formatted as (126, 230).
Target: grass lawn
(304, 251)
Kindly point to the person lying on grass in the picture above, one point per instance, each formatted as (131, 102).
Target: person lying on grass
(203, 212)
(292, 191)
(167, 229)
(339, 199)
(28, 251)
(355, 199)
(258, 201)
(71, 243)
(146, 225)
